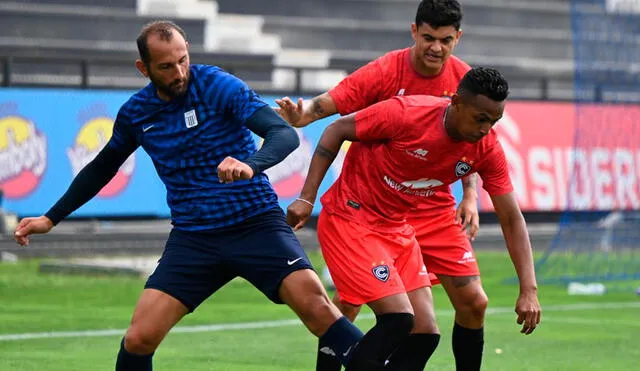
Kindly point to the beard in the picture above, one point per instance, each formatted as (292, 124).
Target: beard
(176, 88)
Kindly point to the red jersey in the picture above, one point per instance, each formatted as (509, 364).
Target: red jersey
(404, 157)
(392, 75)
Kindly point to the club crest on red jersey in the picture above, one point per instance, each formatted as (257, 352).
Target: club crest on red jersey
(463, 167)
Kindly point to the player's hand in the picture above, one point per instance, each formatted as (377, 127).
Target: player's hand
(467, 216)
(528, 310)
(231, 170)
(290, 111)
(298, 213)
(29, 226)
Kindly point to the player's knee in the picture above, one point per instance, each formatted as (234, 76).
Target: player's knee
(474, 305)
(317, 312)
(425, 323)
(140, 342)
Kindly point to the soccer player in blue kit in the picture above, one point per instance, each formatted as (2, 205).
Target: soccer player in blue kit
(195, 122)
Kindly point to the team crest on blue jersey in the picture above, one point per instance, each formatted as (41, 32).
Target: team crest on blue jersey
(381, 272)
(463, 167)
(190, 118)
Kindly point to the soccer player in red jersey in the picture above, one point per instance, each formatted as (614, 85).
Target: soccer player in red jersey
(426, 68)
(409, 148)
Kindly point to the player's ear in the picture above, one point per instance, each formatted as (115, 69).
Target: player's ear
(458, 36)
(414, 31)
(456, 100)
(142, 67)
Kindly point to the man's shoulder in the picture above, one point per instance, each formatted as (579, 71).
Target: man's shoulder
(392, 60)
(207, 73)
(207, 77)
(458, 66)
(137, 104)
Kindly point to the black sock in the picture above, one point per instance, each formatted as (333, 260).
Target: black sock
(339, 341)
(326, 359)
(377, 345)
(468, 345)
(414, 352)
(132, 362)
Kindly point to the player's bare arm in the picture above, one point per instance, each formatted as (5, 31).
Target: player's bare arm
(516, 236)
(326, 151)
(89, 181)
(303, 112)
(467, 212)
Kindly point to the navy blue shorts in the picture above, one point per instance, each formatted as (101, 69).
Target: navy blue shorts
(263, 250)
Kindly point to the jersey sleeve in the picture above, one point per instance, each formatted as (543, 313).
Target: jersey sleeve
(358, 90)
(495, 173)
(123, 139)
(381, 121)
(239, 100)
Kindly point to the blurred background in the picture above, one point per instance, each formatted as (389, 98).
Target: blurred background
(570, 131)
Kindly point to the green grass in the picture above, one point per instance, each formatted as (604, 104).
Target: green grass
(588, 339)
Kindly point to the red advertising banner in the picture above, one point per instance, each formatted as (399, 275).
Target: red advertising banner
(567, 156)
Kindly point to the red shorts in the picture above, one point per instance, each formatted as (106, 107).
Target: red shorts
(367, 265)
(445, 247)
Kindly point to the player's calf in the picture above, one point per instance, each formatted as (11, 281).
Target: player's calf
(326, 360)
(128, 361)
(388, 333)
(304, 293)
(394, 321)
(470, 303)
(416, 349)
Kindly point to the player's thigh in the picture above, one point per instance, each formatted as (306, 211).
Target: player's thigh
(361, 261)
(267, 252)
(155, 314)
(409, 262)
(191, 267)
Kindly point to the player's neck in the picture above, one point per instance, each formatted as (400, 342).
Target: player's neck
(419, 66)
(163, 96)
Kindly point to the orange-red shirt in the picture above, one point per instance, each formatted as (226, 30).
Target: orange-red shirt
(404, 157)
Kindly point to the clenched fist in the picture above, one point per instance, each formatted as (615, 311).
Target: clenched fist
(231, 169)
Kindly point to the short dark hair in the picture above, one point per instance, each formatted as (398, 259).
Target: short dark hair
(164, 29)
(484, 81)
(439, 13)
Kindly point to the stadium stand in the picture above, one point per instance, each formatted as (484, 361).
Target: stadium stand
(304, 46)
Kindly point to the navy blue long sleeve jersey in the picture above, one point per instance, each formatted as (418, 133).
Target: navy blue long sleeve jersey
(188, 137)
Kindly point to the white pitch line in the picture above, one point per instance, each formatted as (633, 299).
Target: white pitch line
(590, 322)
(289, 322)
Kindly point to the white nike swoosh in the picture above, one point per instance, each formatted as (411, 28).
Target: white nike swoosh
(292, 262)
(347, 352)
(144, 130)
